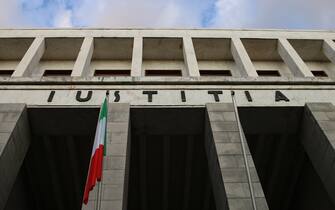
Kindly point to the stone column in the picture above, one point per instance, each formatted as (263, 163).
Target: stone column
(116, 162)
(226, 162)
(292, 59)
(328, 48)
(190, 58)
(30, 60)
(242, 59)
(82, 65)
(136, 63)
(14, 144)
(318, 139)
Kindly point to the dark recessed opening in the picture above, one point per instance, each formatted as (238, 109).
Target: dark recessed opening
(168, 164)
(163, 73)
(57, 73)
(319, 73)
(287, 175)
(226, 73)
(53, 173)
(268, 73)
(111, 73)
(6, 73)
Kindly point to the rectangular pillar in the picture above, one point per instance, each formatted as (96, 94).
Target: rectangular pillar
(30, 60)
(190, 58)
(226, 161)
(242, 58)
(116, 162)
(292, 59)
(136, 63)
(83, 61)
(14, 144)
(318, 139)
(328, 49)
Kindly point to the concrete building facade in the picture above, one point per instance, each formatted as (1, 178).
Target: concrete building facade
(175, 140)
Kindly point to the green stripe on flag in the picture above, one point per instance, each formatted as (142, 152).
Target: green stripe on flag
(104, 112)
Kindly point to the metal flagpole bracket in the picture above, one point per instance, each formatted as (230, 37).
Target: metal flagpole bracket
(107, 97)
(242, 137)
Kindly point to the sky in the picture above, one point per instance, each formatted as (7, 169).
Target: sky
(235, 14)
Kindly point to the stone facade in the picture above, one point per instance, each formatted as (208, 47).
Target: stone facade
(226, 161)
(319, 141)
(163, 69)
(198, 54)
(14, 143)
(114, 185)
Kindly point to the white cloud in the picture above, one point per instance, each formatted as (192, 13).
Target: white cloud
(35, 13)
(316, 14)
(230, 13)
(10, 15)
(63, 19)
(32, 4)
(144, 13)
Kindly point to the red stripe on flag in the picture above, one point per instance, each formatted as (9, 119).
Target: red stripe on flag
(94, 172)
(96, 163)
(92, 176)
(88, 182)
(87, 191)
(100, 162)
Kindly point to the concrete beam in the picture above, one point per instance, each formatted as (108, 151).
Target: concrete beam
(31, 59)
(292, 59)
(242, 58)
(82, 64)
(328, 49)
(136, 64)
(190, 59)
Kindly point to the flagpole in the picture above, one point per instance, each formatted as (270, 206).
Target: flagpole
(242, 137)
(98, 206)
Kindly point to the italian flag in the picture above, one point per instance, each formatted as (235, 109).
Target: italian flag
(98, 151)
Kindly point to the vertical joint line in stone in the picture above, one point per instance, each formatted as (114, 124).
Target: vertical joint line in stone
(188, 171)
(190, 58)
(82, 64)
(71, 149)
(137, 57)
(328, 48)
(143, 168)
(166, 160)
(292, 59)
(242, 59)
(31, 58)
(243, 141)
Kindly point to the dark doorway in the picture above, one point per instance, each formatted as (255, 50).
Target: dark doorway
(288, 177)
(54, 171)
(168, 165)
